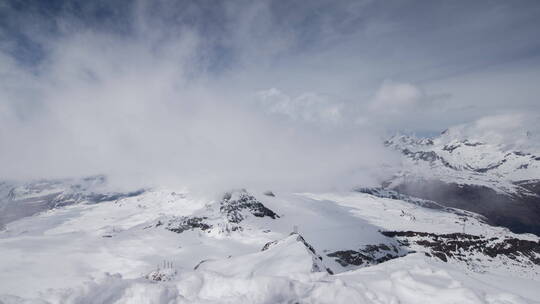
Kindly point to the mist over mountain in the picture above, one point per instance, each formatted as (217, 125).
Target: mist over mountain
(490, 166)
(269, 151)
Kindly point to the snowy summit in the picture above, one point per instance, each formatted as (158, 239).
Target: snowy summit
(261, 152)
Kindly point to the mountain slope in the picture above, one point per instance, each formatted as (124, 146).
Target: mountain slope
(18, 199)
(166, 246)
(478, 168)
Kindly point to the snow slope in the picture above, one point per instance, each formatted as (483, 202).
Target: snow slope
(166, 246)
(451, 158)
(491, 166)
(18, 199)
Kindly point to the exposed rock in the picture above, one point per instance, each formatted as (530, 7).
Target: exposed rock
(493, 166)
(369, 255)
(428, 156)
(268, 245)
(478, 175)
(181, 224)
(318, 264)
(461, 246)
(450, 148)
(225, 215)
(472, 144)
(234, 207)
(349, 257)
(200, 263)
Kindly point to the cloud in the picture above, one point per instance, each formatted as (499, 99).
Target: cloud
(309, 107)
(179, 90)
(144, 110)
(393, 98)
(514, 130)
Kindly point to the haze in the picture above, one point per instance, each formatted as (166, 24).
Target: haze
(279, 94)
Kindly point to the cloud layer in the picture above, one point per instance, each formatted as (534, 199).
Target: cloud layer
(248, 94)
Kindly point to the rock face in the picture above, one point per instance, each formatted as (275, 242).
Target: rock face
(370, 255)
(226, 214)
(464, 247)
(181, 224)
(234, 207)
(340, 233)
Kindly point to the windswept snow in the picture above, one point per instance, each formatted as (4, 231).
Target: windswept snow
(412, 279)
(476, 153)
(111, 252)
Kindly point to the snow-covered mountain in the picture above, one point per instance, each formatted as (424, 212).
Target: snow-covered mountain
(169, 246)
(465, 161)
(19, 199)
(443, 229)
(492, 170)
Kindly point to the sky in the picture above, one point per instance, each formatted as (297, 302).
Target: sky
(238, 93)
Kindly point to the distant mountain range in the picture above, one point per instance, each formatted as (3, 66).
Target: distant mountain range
(496, 175)
(429, 234)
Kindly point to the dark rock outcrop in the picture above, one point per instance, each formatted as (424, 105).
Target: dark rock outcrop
(234, 207)
(227, 214)
(183, 223)
(369, 255)
(461, 246)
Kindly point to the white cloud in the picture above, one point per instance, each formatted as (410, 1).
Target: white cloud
(393, 98)
(172, 94)
(137, 112)
(308, 106)
(516, 130)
